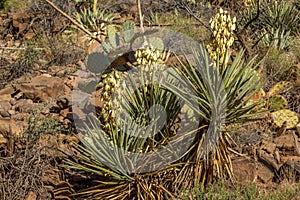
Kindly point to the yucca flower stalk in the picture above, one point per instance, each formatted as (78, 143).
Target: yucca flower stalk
(222, 39)
(109, 85)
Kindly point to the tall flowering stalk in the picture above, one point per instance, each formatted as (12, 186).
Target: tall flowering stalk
(110, 85)
(222, 39)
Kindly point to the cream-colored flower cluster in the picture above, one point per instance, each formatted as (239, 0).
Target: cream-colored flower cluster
(109, 85)
(149, 55)
(222, 26)
(247, 2)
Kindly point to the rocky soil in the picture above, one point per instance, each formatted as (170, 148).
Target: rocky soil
(37, 111)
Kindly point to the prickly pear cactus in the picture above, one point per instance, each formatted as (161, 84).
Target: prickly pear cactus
(277, 102)
(127, 30)
(280, 87)
(285, 115)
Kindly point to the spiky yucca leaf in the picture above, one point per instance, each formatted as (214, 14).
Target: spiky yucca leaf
(95, 22)
(112, 157)
(232, 85)
(127, 163)
(221, 93)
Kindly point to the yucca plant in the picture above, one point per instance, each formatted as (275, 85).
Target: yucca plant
(142, 158)
(133, 158)
(95, 21)
(221, 93)
(108, 156)
(276, 23)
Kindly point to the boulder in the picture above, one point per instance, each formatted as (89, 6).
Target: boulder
(5, 105)
(5, 94)
(24, 105)
(244, 170)
(285, 142)
(9, 127)
(41, 88)
(31, 196)
(264, 173)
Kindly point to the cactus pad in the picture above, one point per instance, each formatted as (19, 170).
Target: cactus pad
(280, 87)
(285, 115)
(277, 102)
(127, 30)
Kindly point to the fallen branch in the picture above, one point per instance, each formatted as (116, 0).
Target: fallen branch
(20, 48)
(194, 16)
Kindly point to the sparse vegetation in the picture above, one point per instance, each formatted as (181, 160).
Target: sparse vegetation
(166, 125)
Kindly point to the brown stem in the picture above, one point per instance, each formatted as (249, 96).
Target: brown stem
(140, 15)
(95, 7)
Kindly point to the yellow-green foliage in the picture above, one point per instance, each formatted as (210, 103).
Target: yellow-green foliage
(277, 102)
(90, 20)
(16, 4)
(285, 115)
(222, 26)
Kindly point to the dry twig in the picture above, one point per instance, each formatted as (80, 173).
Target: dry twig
(74, 22)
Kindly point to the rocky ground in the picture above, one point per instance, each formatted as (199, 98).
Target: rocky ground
(36, 124)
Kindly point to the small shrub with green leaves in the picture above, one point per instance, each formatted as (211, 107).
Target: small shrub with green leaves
(278, 65)
(4, 4)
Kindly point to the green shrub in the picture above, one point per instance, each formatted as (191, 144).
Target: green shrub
(4, 4)
(278, 65)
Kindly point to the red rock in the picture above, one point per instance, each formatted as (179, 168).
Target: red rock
(285, 142)
(3, 140)
(244, 170)
(264, 173)
(5, 94)
(9, 127)
(268, 146)
(41, 88)
(5, 105)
